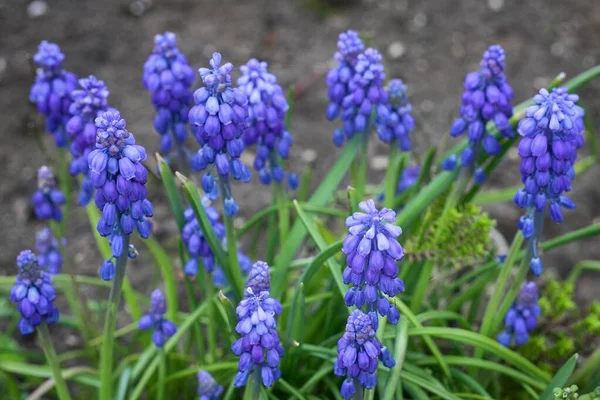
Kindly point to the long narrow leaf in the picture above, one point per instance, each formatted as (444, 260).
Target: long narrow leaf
(561, 378)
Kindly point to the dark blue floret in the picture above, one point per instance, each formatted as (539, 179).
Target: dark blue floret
(267, 107)
(117, 173)
(486, 97)
(259, 348)
(52, 89)
(33, 293)
(163, 328)
(521, 318)
(168, 78)
(48, 199)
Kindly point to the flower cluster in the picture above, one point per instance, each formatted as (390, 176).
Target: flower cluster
(259, 348)
(552, 132)
(208, 388)
(218, 121)
(119, 177)
(338, 78)
(33, 293)
(394, 119)
(365, 94)
(487, 97)
(168, 78)
(409, 177)
(51, 90)
(266, 121)
(199, 249)
(48, 199)
(163, 328)
(522, 316)
(89, 102)
(372, 251)
(48, 251)
(359, 353)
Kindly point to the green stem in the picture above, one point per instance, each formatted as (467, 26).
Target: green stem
(421, 288)
(52, 358)
(400, 352)
(209, 292)
(283, 211)
(511, 295)
(197, 327)
(66, 183)
(361, 176)
(491, 311)
(162, 373)
(234, 265)
(391, 175)
(106, 355)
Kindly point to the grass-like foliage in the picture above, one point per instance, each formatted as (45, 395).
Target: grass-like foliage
(398, 289)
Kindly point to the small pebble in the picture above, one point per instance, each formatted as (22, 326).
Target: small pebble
(309, 156)
(396, 50)
(37, 8)
(496, 5)
(379, 163)
(420, 20)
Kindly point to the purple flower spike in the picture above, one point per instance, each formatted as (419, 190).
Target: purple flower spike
(521, 318)
(200, 251)
(266, 121)
(552, 132)
(48, 249)
(372, 250)
(33, 294)
(119, 177)
(409, 177)
(394, 119)
(208, 388)
(218, 121)
(89, 102)
(163, 328)
(48, 199)
(486, 97)
(168, 78)
(51, 90)
(259, 348)
(359, 353)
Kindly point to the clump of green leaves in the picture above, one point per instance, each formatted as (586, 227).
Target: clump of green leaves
(457, 237)
(562, 325)
(568, 393)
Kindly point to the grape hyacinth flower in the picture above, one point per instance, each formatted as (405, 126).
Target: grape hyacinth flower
(408, 179)
(372, 251)
(359, 353)
(552, 132)
(48, 251)
(163, 328)
(208, 388)
(487, 97)
(394, 119)
(89, 102)
(259, 348)
(48, 199)
(168, 78)
(51, 90)
(200, 251)
(522, 317)
(33, 293)
(119, 177)
(266, 121)
(365, 94)
(338, 78)
(218, 121)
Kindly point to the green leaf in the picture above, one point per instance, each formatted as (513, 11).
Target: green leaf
(163, 262)
(173, 195)
(320, 197)
(234, 275)
(561, 378)
(482, 342)
(334, 266)
(123, 384)
(426, 385)
(407, 312)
